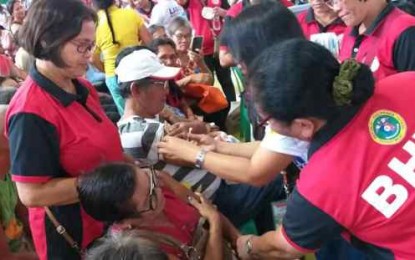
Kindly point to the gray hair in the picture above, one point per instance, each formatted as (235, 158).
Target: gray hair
(124, 246)
(176, 24)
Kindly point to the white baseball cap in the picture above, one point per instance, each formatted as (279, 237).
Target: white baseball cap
(143, 64)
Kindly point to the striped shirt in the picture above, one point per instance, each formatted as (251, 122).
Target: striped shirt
(139, 139)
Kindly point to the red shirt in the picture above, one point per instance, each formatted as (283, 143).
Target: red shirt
(311, 26)
(375, 47)
(54, 134)
(183, 220)
(361, 178)
(202, 26)
(5, 66)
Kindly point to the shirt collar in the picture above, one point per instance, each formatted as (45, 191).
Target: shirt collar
(378, 20)
(331, 128)
(61, 95)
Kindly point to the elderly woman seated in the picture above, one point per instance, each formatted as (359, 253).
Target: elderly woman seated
(133, 198)
(126, 245)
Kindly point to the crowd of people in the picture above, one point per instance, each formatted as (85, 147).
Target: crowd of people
(115, 142)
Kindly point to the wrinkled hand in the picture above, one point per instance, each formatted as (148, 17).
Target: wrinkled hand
(183, 129)
(196, 57)
(205, 141)
(219, 11)
(176, 149)
(241, 247)
(205, 208)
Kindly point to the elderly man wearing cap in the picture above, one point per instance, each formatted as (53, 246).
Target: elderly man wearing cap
(143, 84)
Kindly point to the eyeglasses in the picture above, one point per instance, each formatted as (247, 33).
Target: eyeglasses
(83, 47)
(331, 3)
(152, 195)
(180, 36)
(159, 83)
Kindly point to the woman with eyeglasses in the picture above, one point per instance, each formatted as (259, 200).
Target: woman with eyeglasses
(57, 129)
(358, 181)
(132, 198)
(320, 18)
(117, 28)
(194, 67)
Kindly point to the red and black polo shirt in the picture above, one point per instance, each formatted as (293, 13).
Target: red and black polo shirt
(359, 179)
(55, 134)
(386, 46)
(311, 26)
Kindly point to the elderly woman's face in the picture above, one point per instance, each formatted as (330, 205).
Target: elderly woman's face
(182, 38)
(77, 52)
(148, 197)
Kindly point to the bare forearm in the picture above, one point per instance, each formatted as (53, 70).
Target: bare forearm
(202, 78)
(230, 232)
(204, 68)
(270, 245)
(231, 168)
(214, 247)
(237, 149)
(59, 191)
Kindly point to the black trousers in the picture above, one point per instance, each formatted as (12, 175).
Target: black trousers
(224, 77)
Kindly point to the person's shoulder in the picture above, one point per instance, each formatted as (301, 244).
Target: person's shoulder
(398, 18)
(401, 80)
(302, 15)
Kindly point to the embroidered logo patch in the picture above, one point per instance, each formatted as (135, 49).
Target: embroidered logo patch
(387, 127)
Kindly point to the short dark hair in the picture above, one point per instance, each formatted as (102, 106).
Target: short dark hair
(6, 94)
(50, 24)
(106, 192)
(154, 27)
(257, 27)
(154, 44)
(294, 79)
(124, 87)
(104, 5)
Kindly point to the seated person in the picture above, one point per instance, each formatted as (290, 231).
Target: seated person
(122, 243)
(182, 120)
(141, 130)
(165, 50)
(132, 198)
(194, 67)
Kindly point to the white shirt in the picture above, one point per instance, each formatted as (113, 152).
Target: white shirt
(164, 11)
(276, 142)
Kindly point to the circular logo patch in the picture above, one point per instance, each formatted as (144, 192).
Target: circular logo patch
(387, 127)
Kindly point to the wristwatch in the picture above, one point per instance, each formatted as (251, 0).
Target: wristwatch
(200, 158)
(249, 246)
